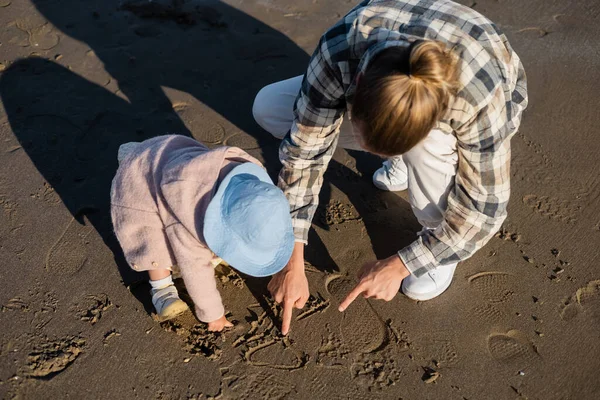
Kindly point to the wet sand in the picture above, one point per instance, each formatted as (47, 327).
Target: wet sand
(77, 79)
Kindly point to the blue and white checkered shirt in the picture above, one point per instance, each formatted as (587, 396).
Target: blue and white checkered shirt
(484, 115)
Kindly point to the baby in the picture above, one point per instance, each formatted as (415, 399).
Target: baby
(175, 202)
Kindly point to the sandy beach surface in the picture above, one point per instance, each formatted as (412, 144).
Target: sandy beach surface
(521, 319)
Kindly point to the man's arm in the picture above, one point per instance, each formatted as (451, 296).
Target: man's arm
(305, 153)
(307, 149)
(477, 204)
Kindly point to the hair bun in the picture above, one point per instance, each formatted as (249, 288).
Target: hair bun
(403, 94)
(432, 63)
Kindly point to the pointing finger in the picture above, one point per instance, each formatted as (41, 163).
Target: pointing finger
(288, 306)
(352, 296)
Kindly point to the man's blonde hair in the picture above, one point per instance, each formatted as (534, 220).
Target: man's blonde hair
(402, 94)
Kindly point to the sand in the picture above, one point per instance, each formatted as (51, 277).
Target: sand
(521, 319)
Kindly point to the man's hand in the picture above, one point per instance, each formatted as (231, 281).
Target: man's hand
(289, 287)
(379, 280)
(219, 324)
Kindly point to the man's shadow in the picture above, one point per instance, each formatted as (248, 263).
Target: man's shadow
(71, 128)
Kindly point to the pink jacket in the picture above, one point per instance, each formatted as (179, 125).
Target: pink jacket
(158, 199)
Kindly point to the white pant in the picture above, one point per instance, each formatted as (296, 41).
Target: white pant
(430, 165)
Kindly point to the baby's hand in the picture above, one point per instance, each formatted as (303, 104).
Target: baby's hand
(219, 324)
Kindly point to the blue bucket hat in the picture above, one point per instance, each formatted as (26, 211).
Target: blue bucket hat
(248, 223)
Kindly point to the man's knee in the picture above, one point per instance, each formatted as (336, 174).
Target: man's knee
(258, 107)
(415, 157)
(262, 110)
(437, 150)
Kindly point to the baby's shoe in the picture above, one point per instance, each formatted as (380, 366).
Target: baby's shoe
(167, 303)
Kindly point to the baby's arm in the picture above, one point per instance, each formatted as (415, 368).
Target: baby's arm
(198, 274)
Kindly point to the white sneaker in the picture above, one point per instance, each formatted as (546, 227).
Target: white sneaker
(167, 303)
(430, 285)
(392, 176)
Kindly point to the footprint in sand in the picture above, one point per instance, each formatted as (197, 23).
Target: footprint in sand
(551, 207)
(442, 351)
(512, 349)
(203, 128)
(263, 385)
(68, 255)
(242, 140)
(50, 358)
(337, 213)
(361, 328)
(493, 285)
(40, 32)
(93, 307)
(376, 373)
(585, 301)
(209, 132)
(332, 352)
(489, 313)
(330, 386)
(43, 38)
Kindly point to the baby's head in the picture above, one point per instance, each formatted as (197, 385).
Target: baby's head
(248, 223)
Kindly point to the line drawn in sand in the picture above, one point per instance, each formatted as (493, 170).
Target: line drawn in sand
(68, 254)
(314, 305)
(226, 274)
(198, 339)
(264, 337)
(540, 31)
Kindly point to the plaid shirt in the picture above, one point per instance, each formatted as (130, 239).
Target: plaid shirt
(484, 115)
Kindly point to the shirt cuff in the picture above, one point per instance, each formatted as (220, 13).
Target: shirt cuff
(417, 258)
(301, 228)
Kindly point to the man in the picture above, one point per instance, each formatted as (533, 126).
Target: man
(430, 84)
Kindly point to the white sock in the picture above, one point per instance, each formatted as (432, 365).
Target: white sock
(161, 283)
